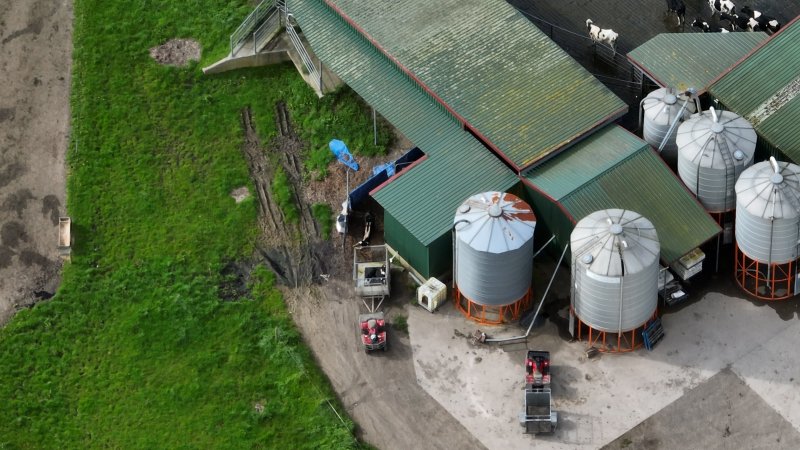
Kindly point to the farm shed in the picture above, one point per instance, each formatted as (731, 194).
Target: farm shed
(483, 107)
(615, 169)
(764, 87)
(495, 71)
(419, 203)
(684, 60)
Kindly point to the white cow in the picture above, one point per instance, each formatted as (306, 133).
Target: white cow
(597, 34)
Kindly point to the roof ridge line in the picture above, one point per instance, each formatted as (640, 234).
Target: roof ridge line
(492, 146)
(605, 172)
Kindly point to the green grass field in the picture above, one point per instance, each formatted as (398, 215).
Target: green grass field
(137, 350)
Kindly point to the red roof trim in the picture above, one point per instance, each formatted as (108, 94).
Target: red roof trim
(751, 52)
(567, 214)
(397, 175)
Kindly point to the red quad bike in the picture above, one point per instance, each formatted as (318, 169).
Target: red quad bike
(537, 369)
(538, 416)
(373, 331)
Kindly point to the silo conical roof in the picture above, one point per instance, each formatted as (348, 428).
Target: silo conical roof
(494, 248)
(494, 222)
(659, 110)
(606, 234)
(713, 149)
(768, 211)
(770, 194)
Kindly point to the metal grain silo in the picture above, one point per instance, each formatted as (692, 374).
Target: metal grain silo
(615, 269)
(713, 150)
(768, 229)
(493, 256)
(658, 111)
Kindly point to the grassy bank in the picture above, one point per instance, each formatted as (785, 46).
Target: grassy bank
(137, 350)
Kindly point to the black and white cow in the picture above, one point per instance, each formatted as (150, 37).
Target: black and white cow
(679, 9)
(750, 12)
(764, 23)
(759, 21)
(703, 25)
(722, 6)
(737, 21)
(606, 35)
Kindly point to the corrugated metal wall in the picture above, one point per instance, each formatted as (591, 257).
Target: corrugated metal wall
(434, 260)
(550, 219)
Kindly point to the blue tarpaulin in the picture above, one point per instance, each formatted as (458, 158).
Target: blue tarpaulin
(340, 151)
(381, 173)
(388, 167)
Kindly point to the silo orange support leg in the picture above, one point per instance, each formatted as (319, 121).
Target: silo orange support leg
(758, 275)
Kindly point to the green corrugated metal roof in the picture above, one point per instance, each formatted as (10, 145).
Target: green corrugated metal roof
(583, 162)
(643, 183)
(684, 60)
(494, 68)
(764, 88)
(424, 198)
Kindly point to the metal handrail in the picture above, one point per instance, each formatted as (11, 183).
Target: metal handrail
(271, 24)
(249, 24)
(304, 56)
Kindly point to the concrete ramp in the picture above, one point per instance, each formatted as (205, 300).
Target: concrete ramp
(268, 36)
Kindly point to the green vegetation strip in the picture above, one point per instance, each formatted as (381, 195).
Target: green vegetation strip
(137, 350)
(323, 214)
(284, 195)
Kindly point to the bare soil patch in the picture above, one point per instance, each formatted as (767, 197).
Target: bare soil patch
(176, 52)
(240, 194)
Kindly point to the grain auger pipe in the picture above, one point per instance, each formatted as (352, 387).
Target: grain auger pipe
(538, 308)
(691, 95)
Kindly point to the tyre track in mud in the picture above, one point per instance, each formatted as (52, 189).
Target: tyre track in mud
(270, 215)
(289, 146)
(293, 252)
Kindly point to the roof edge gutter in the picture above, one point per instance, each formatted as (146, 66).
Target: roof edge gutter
(566, 145)
(398, 175)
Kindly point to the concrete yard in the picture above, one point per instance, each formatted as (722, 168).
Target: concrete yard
(725, 370)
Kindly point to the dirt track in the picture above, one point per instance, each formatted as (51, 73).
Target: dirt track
(379, 391)
(35, 61)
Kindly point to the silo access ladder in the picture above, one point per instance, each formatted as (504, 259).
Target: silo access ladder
(730, 168)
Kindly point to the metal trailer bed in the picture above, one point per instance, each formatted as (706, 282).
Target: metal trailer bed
(538, 416)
